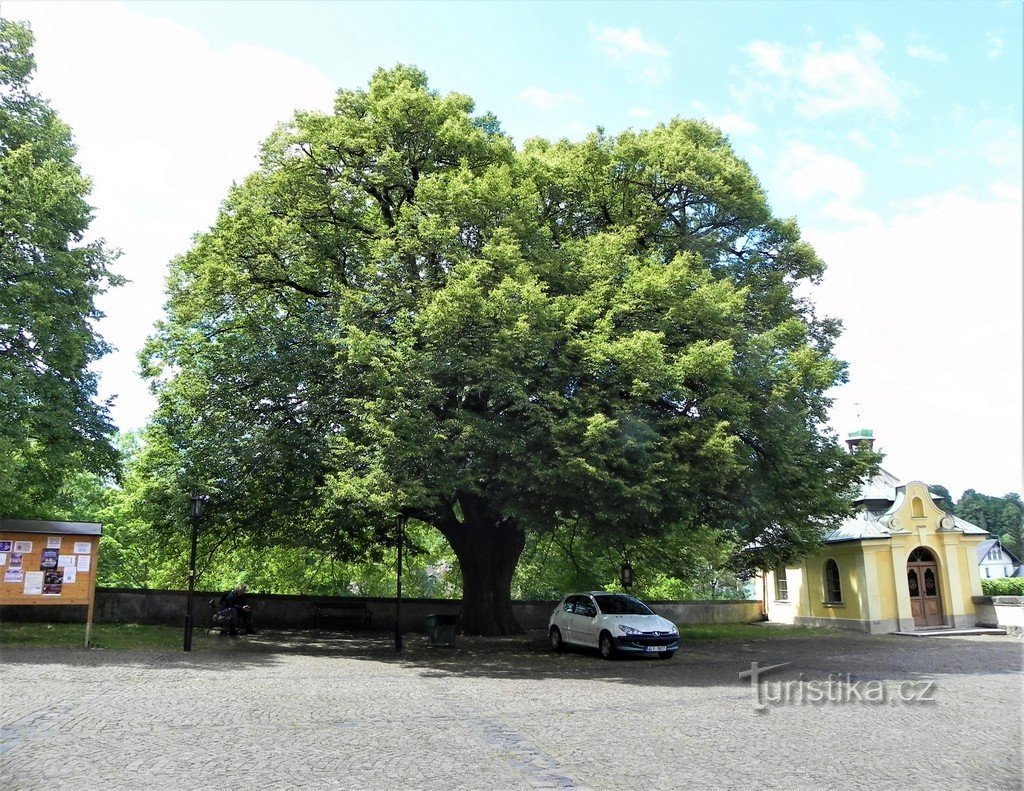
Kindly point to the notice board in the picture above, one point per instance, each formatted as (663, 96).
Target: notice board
(44, 563)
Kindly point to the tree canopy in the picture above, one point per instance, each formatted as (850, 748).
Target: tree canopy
(1002, 516)
(401, 312)
(52, 426)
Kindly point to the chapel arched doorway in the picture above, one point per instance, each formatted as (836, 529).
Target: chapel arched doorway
(923, 582)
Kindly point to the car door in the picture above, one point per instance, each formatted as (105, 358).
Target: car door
(567, 619)
(585, 622)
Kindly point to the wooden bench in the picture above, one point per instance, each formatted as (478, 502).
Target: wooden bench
(353, 613)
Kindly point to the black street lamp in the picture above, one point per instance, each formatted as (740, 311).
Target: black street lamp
(400, 526)
(196, 504)
(626, 575)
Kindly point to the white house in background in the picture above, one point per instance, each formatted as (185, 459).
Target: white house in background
(995, 560)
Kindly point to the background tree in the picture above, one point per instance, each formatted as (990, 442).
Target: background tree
(946, 503)
(1003, 517)
(401, 313)
(52, 426)
(1012, 525)
(679, 564)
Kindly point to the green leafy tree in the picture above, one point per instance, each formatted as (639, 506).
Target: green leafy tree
(52, 427)
(132, 553)
(1002, 516)
(946, 503)
(401, 313)
(678, 564)
(1012, 526)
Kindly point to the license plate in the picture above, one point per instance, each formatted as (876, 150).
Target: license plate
(655, 648)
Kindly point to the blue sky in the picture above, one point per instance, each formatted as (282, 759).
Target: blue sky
(909, 81)
(892, 131)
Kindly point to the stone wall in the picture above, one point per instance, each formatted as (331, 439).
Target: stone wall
(121, 605)
(1003, 612)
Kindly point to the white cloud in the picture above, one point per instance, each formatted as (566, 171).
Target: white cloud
(868, 41)
(933, 317)
(622, 45)
(924, 52)
(827, 185)
(639, 112)
(859, 139)
(730, 123)
(645, 59)
(996, 44)
(164, 124)
(653, 74)
(843, 80)
(733, 124)
(1004, 191)
(1004, 150)
(822, 81)
(808, 173)
(980, 141)
(766, 56)
(546, 100)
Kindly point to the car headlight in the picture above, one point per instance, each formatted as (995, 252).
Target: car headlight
(629, 630)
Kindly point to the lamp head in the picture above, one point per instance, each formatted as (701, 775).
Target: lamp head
(196, 503)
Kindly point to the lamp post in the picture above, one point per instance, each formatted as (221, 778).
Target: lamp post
(196, 504)
(400, 526)
(626, 575)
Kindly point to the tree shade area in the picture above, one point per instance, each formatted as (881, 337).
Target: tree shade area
(400, 312)
(51, 424)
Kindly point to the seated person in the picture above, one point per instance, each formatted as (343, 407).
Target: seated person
(236, 602)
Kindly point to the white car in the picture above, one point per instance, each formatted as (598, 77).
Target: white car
(613, 623)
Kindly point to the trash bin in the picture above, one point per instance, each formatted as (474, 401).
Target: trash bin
(441, 629)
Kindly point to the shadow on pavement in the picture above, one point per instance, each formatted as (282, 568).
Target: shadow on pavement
(697, 663)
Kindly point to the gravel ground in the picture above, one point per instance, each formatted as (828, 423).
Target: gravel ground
(287, 710)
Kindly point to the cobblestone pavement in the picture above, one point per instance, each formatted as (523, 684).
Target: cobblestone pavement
(287, 710)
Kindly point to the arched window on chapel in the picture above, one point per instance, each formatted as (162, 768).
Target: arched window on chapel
(833, 585)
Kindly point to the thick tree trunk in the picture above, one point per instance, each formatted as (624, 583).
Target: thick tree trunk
(488, 549)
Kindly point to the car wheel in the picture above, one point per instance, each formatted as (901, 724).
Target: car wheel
(667, 655)
(555, 637)
(607, 646)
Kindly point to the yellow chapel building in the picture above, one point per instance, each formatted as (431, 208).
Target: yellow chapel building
(901, 564)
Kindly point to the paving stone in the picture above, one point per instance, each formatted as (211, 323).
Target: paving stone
(306, 711)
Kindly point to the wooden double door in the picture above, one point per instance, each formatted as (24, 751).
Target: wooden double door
(923, 582)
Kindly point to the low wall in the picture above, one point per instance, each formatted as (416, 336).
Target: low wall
(710, 611)
(1002, 612)
(164, 607)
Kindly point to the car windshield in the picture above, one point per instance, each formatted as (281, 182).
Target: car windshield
(622, 605)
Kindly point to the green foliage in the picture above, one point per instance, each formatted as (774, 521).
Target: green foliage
(946, 503)
(1002, 516)
(399, 312)
(426, 570)
(52, 426)
(1003, 586)
(132, 553)
(679, 565)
